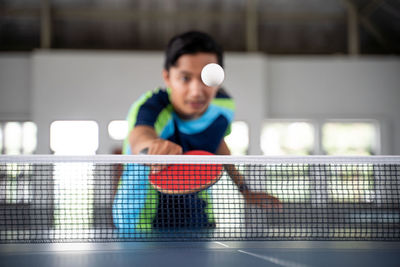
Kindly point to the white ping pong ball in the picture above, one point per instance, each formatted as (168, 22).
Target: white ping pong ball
(212, 74)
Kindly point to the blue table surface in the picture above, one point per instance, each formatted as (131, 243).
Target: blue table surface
(211, 253)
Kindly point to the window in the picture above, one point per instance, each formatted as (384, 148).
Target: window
(73, 182)
(351, 183)
(18, 137)
(338, 137)
(74, 137)
(238, 139)
(350, 138)
(29, 137)
(1, 140)
(73, 197)
(348, 183)
(287, 138)
(290, 183)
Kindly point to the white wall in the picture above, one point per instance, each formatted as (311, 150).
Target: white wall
(335, 88)
(89, 86)
(15, 82)
(246, 81)
(48, 86)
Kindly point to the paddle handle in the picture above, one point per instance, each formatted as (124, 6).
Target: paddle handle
(144, 151)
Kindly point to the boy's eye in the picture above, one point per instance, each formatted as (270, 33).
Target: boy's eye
(185, 78)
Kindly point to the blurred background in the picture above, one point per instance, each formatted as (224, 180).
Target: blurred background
(310, 77)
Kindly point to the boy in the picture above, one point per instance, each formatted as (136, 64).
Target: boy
(188, 115)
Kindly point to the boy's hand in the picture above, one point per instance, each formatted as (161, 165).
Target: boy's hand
(161, 147)
(263, 200)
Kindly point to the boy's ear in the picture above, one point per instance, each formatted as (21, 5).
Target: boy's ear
(165, 75)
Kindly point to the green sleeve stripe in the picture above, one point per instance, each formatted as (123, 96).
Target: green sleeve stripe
(205, 196)
(163, 118)
(149, 211)
(132, 115)
(225, 103)
(165, 115)
(135, 109)
(160, 123)
(228, 130)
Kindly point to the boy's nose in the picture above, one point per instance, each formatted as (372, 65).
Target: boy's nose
(197, 88)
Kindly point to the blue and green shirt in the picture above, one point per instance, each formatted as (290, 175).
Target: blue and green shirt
(137, 206)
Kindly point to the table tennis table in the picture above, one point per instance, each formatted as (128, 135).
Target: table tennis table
(336, 212)
(203, 254)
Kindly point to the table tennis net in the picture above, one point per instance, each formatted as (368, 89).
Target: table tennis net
(108, 198)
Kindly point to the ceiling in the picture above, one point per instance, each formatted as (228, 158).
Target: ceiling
(283, 27)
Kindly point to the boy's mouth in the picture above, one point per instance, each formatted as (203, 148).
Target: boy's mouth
(196, 104)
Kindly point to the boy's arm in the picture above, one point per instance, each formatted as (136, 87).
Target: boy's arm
(143, 136)
(261, 199)
(231, 169)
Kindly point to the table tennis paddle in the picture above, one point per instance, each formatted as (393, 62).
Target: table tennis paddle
(186, 178)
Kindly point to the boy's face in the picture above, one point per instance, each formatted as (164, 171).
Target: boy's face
(190, 97)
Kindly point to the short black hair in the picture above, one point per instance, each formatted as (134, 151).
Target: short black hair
(191, 42)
